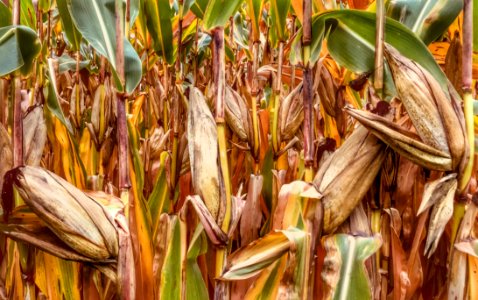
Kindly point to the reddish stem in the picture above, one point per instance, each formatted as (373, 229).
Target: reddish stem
(467, 44)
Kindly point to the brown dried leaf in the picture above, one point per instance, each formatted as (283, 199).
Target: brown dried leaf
(6, 153)
(34, 136)
(252, 215)
(442, 211)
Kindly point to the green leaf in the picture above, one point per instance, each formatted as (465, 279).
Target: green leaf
(52, 100)
(241, 34)
(158, 18)
(198, 7)
(428, 19)
(279, 10)
(27, 14)
(133, 10)
(95, 19)
(254, 9)
(67, 63)
(72, 33)
(351, 42)
(218, 12)
(5, 15)
(44, 5)
(195, 285)
(19, 46)
(158, 199)
(171, 279)
(346, 277)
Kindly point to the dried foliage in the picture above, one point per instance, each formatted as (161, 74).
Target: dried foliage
(237, 150)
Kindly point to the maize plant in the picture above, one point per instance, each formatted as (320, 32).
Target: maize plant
(257, 149)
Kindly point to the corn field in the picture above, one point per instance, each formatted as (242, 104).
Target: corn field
(229, 149)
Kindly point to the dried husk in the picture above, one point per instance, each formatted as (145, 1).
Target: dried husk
(327, 89)
(427, 105)
(203, 151)
(73, 216)
(237, 115)
(100, 112)
(347, 175)
(404, 142)
(291, 114)
(34, 136)
(439, 193)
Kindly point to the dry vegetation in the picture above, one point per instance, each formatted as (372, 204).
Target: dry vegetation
(257, 149)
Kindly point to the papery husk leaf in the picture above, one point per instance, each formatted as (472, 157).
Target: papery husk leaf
(291, 114)
(327, 89)
(457, 275)
(213, 231)
(435, 190)
(237, 114)
(203, 153)
(405, 143)
(34, 136)
(357, 163)
(441, 213)
(40, 236)
(252, 216)
(470, 247)
(418, 100)
(427, 105)
(73, 216)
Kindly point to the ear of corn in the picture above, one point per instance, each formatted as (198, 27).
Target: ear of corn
(357, 163)
(428, 106)
(73, 216)
(291, 114)
(202, 144)
(237, 115)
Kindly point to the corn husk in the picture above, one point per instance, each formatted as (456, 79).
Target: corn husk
(347, 175)
(73, 216)
(237, 115)
(291, 114)
(405, 143)
(202, 143)
(427, 105)
(34, 136)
